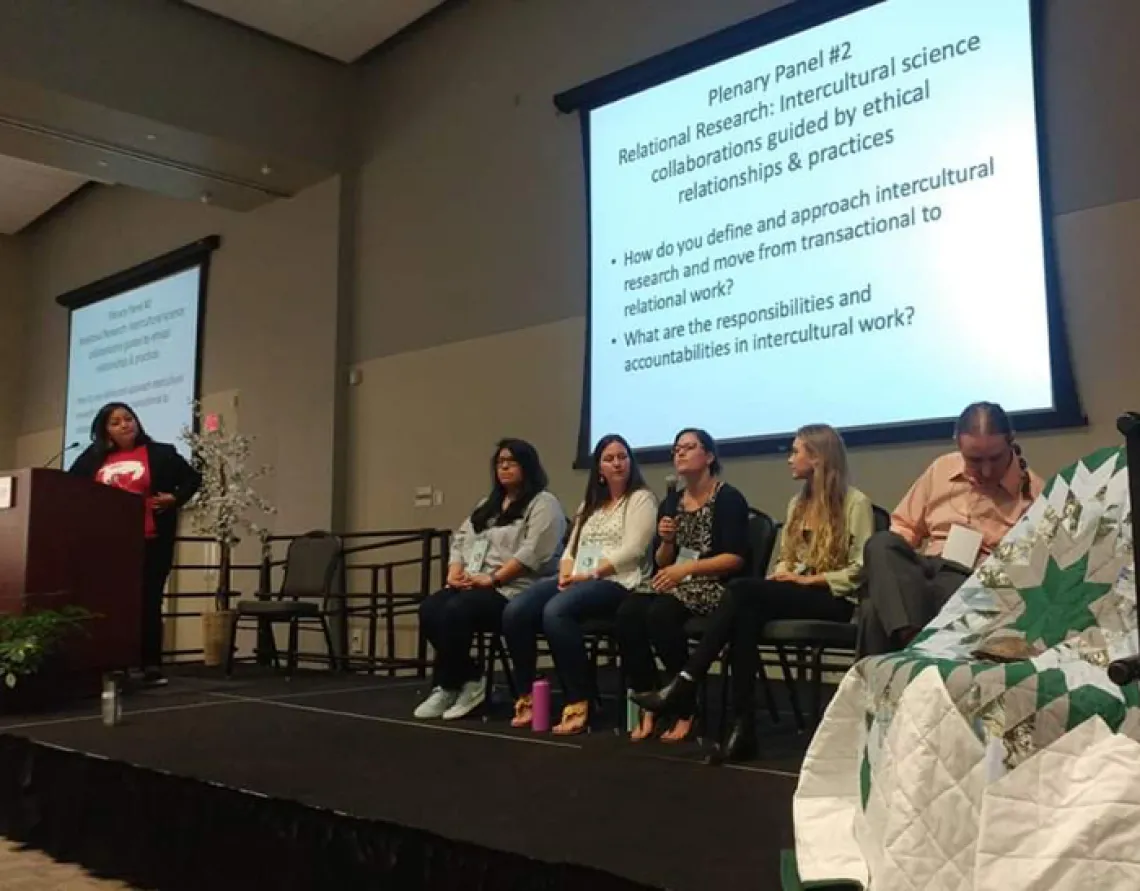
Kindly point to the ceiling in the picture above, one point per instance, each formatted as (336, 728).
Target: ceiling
(341, 29)
(29, 190)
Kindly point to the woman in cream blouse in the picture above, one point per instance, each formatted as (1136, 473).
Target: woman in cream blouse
(815, 577)
(607, 556)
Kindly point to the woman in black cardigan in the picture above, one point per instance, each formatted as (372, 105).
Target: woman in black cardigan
(122, 455)
(701, 544)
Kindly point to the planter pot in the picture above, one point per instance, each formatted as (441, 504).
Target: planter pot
(216, 628)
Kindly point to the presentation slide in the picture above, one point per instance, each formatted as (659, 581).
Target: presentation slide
(843, 226)
(138, 347)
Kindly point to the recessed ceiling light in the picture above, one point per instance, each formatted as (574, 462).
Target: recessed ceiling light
(102, 163)
(266, 170)
(205, 197)
(151, 137)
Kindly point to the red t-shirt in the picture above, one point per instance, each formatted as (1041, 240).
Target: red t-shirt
(130, 471)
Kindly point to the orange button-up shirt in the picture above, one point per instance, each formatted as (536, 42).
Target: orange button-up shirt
(944, 496)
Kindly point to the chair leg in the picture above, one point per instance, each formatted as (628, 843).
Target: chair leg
(421, 653)
(508, 669)
(725, 684)
(623, 691)
(592, 654)
(816, 684)
(333, 665)
(291, 659)
(769, 698)
(790, 683)
(488, 652)
(232, 645)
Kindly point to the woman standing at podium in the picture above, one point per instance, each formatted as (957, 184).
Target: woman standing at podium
(122, 455)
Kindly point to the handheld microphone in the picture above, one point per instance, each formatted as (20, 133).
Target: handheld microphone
(67, 448)
(671, 493)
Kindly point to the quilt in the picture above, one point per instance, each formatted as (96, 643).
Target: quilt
(994, 752)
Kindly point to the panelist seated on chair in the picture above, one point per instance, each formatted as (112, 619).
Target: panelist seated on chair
(607, 556)
(815, 577)
(510, 540)
(701, 545)
(954, 515)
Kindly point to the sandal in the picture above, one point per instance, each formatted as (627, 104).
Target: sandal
(671, 735)
(574, 719)
(524, 711)
(645, 727)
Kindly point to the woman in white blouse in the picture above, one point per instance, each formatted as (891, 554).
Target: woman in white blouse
(607, 556)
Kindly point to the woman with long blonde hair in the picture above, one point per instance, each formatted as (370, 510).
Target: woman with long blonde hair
(815, 577)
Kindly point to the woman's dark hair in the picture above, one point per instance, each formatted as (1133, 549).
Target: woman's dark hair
(99, 427)
(534, 480)
(990, 419)
(707, 443)
(597, 492)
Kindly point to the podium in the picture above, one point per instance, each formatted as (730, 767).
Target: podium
(69, 541)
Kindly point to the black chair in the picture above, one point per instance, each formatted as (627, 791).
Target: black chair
(811, 639)
(763, 533)
(314, 564)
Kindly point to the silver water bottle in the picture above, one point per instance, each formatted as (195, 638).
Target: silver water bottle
(112, 700)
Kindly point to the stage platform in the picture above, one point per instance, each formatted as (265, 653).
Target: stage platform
(326, 782)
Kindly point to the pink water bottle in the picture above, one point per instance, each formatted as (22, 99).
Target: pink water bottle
(540, 706)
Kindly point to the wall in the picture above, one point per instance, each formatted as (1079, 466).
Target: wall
(15, 286)
(470, 285)
(270, 332)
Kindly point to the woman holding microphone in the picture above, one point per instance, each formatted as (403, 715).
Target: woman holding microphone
(701, 544)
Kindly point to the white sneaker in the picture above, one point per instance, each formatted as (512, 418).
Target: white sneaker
(436, 705)
(469, 699)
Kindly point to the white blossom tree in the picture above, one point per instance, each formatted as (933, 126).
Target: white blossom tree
(227, 507)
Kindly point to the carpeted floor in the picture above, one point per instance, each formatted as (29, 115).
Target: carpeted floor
(651, 812)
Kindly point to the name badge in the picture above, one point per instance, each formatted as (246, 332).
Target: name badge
(962, 546)
(478, 555)
(687, 555)
(587, 559)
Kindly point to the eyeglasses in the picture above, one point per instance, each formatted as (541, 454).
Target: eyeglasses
(506, 463)
(683, 448)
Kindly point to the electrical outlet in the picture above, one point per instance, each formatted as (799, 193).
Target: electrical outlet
(356, 641)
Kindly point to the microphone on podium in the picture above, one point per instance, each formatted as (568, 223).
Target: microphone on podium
(71, 446)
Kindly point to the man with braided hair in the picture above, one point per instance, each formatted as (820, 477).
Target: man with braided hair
(984, 487)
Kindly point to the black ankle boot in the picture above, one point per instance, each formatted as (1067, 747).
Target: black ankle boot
(678, 699)
(741, 744)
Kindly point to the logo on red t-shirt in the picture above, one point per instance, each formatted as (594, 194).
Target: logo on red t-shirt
(122, 474)
(130, 471)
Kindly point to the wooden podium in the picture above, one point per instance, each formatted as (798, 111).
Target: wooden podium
(68, 541)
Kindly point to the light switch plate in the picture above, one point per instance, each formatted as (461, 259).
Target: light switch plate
(6, 485)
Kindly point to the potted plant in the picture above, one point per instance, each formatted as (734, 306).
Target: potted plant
(225, 509)
(28, 642)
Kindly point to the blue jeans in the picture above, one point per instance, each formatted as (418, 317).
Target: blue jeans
(558, 614)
